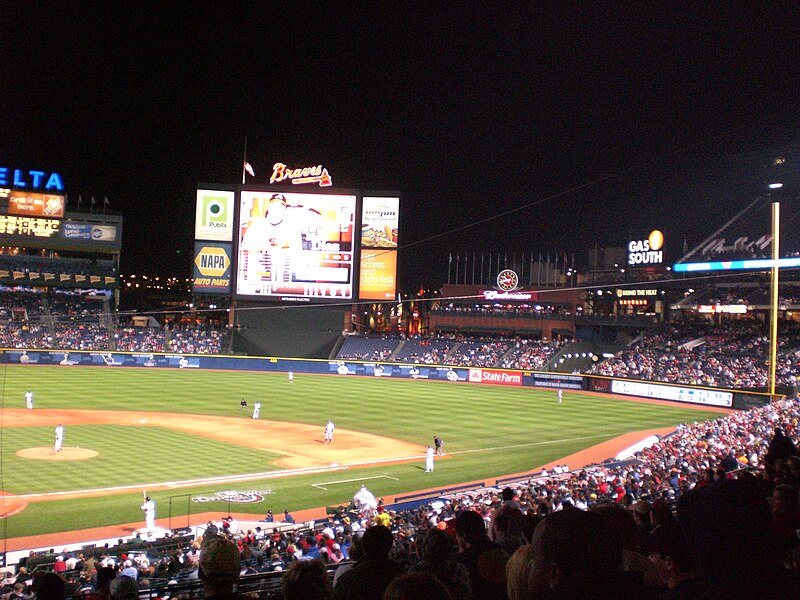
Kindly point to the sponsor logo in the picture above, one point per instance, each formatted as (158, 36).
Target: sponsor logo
(507, 280)
(234, 497)
(33, 180)
(214, 211)
(495, 295)
(647, 252)
(214, 215)
(212, 261)
(318, 174)
(501, 377)
(475, 375)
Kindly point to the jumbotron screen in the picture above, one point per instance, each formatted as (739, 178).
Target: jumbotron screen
(296, 247)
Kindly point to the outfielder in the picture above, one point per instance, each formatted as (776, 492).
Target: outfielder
(560, 396)
(329, 427)
(291, 376)
(29, 400)
(256, 409)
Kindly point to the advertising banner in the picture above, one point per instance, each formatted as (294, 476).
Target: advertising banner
(58, 234)
(379, 222)
(674, 393)
(492, 376)
(212, 268)
(296, 247)
(35, 205)
(378, 275)
(214, 215)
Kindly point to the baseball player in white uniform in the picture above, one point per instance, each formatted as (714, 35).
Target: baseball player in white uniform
(59, 438)
(291, 376)
(256, 409)
(429, 459)
(560, 396)
(329, 427)
(29, 400)
(149, 508)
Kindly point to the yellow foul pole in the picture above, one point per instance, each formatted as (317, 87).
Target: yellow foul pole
(773, 330)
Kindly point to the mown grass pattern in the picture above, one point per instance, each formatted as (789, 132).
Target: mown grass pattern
(489, 431)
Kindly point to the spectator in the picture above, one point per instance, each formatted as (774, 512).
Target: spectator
(219, 568)
(49, 586)
(306, 581)
(437, 557)
(484, 560)
(369, 579)
(415, 586)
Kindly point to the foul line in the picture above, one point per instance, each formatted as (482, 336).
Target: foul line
(291, 472)
(324, 483)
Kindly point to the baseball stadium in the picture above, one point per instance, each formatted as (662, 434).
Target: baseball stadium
(301, 396)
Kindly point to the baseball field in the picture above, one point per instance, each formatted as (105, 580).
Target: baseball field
(180, 434)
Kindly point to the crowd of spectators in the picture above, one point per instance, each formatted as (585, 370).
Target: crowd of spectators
(195, 339)
(455, 349)
(707, 513)
(732, 354)
(139, 339)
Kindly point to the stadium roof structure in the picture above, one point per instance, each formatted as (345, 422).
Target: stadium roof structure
(745, 241)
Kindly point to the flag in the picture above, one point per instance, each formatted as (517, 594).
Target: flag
(79, 200)
(105, 201)
(249, 168)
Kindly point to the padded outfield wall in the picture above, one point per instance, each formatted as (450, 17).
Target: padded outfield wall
(716, 397)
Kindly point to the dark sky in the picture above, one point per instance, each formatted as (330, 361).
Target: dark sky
(469, 114)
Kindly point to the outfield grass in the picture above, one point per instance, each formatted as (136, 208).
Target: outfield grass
(489, 431)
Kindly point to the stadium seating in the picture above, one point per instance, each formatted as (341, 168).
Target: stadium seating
(358, 347)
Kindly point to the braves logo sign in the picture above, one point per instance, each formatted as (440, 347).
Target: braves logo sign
(317, 174)
(234, 497)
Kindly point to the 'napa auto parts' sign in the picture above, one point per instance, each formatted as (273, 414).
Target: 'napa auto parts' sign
(499, 377)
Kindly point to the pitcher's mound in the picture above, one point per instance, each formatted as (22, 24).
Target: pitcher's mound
(64, 454)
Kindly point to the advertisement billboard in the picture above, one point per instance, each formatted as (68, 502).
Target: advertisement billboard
(378, 275)
(211, 268)
(214, 215)
(57, 234)
(295, 247)
(35, 205)
(379, 222)
(674, 393)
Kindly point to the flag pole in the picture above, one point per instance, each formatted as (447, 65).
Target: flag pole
(244, 160)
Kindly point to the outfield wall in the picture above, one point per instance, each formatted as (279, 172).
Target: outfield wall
(644, 389)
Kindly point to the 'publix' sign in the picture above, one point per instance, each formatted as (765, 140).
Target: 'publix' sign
(31, 180)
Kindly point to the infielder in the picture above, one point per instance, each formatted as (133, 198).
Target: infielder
(29, 400)
(329, 427)
(256, 410)
(59, 438)
(429, 459)
(149, 508)
(560, 396)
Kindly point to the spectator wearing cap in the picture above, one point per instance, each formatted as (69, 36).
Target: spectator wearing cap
(219, 568)
(485, 560)
(368, 579)
(641, 515)
(129, 570)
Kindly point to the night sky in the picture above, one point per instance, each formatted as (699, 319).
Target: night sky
(643, 109)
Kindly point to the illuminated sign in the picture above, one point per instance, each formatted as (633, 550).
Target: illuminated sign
(212, 268)
(507, 280)
(736, 309)
(214, 215)
(28, 226)
(633, 302)
(296, 247)
(674, 393)
(33, 180)
(495, 295)
(733, 265)
(318, 174)
(378, 275)
(647, 252)
(379, 222)
(35, 205)
(623, 293)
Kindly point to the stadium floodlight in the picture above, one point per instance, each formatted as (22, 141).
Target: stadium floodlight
(775, 185)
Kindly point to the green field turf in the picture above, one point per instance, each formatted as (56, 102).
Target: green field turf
(489, 431)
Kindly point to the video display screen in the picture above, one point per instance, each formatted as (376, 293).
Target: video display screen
(296, 247)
